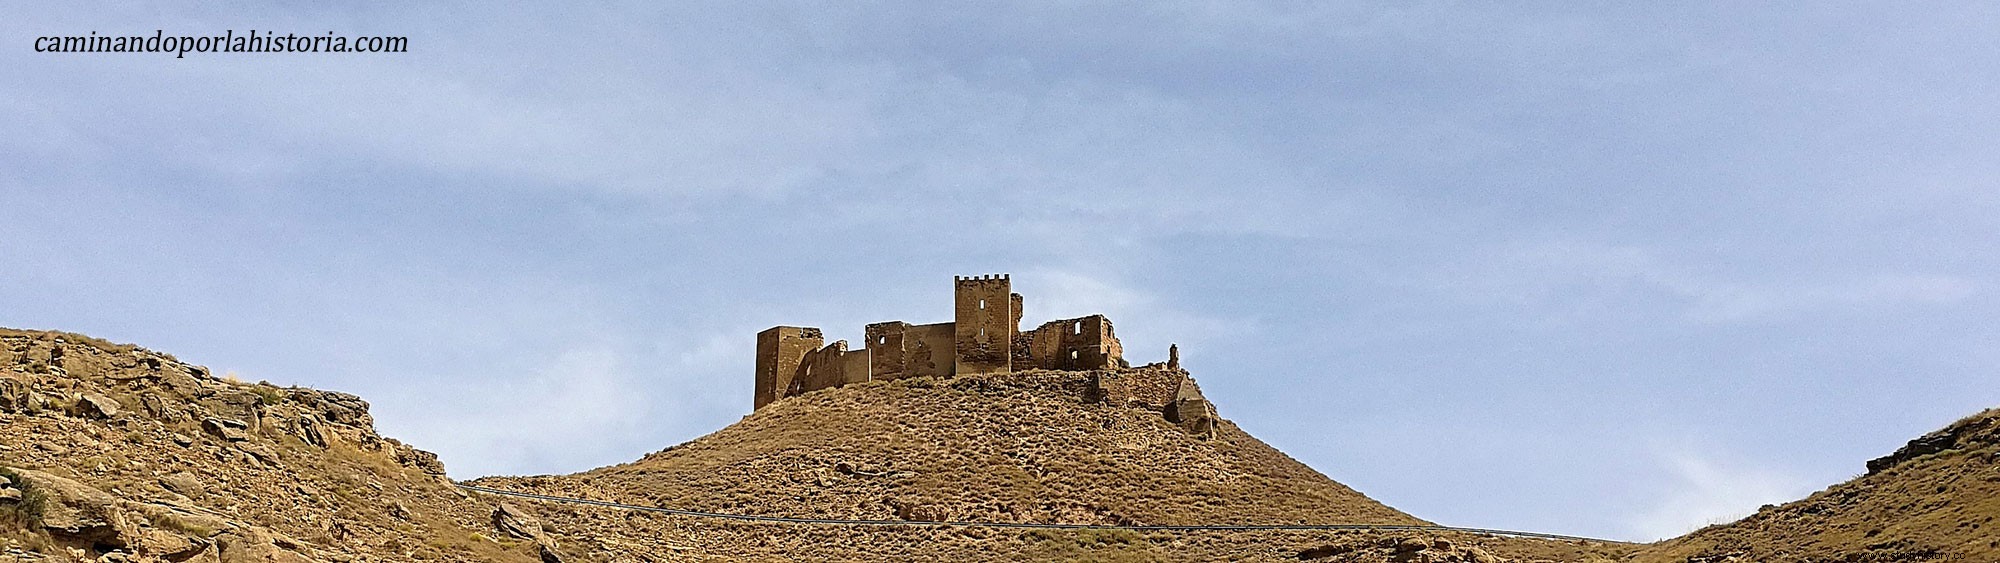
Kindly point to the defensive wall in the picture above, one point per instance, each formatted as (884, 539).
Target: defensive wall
(983, 337)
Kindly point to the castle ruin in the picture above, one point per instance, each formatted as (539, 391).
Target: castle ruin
(983, 337)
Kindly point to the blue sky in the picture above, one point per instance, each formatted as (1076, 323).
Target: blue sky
(1613, 270)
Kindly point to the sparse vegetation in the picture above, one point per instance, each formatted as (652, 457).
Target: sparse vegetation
(27, 513)
(268, 395)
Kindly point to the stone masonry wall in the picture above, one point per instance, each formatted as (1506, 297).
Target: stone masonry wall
(984, 307)
(779, 351)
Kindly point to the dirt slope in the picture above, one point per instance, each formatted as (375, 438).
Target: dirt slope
(116, 453)
(1022, 447)
(1935, 499)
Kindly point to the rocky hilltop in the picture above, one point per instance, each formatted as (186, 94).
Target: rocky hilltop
(1934, 499)
(113, 452)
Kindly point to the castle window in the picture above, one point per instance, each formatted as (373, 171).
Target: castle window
(982, 303)
(1078, 327)
(1072, 356)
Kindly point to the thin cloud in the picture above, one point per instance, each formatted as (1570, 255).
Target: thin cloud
(1707, 490)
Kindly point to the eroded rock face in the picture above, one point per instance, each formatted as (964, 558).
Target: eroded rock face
(131, 455)
(76, 512)
(1966, 434)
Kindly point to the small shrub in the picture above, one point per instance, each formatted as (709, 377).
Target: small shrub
(184, 527)
(268, 395)
(27, 512)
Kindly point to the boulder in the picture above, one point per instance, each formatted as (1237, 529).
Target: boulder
(99, 406)
(75, 512)
(172, 546)
(184, 483)
(14, 395)
(251, 545)
(261, 452)
(226, 429)
(516, 524)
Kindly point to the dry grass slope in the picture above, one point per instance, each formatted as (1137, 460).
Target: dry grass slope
(1022, 447)
(1934, 500)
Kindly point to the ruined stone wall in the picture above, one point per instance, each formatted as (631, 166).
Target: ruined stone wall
(927, 350)
(887, 357)
(1151, 386)
(854, 366)
(1083, 343)
(1155, 386)
(898, 349)
(820, 369)
(1014, 326)
(982, 313)
(779, 352)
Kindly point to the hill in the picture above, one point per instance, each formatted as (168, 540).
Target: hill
(115, 453)
(1935, 499)
(112, 452)
(1036, 446)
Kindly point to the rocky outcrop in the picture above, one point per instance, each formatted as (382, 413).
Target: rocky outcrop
(512, 522)
(1970, 433)
(78, 514)
(131, 455)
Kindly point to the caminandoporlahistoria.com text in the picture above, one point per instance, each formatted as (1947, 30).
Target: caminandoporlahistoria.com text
(228, 42)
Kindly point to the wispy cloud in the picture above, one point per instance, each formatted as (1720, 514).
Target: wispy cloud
(1706, 489)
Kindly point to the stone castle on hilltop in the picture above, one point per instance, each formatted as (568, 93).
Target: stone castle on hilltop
(983, 337)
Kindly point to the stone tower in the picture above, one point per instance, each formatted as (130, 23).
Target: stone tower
(779, 351)
(983, 324)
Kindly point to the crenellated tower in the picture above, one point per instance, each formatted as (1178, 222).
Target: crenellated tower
(983, 322)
